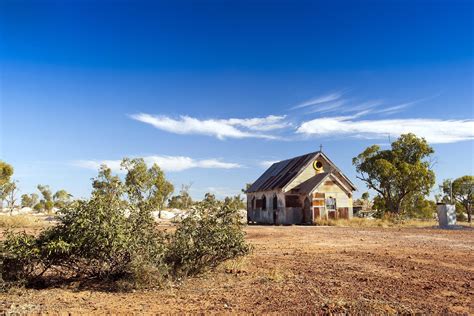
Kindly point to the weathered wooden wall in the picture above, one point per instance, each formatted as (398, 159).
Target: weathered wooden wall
(292, 214)
(343, 200)
(281, 216)
(267, 215)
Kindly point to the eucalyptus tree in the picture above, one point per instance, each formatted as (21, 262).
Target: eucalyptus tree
(398, 172)
(462, 191)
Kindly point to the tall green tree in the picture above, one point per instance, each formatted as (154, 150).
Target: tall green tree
(10, 191)
(235, 202)
(183, 200)
(462, 192)
(46, 203)
(365, 196)
(417, 206)
(6, 171)
(148, 187)
(247, 186)
(397, 172)
(29, 200)
(61, 198)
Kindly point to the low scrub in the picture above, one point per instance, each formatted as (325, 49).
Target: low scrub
(210, 234)
(376, 222)
(113, 237)
(21, 221)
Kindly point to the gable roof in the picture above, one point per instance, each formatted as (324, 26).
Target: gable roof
(282, 173)
(308, 185)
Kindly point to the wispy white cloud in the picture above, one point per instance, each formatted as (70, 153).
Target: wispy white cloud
(166, 163)
(220, 128)
(366, 106)
(328, 107)
(336, 102)
(271, 122)
(395, 108)
(267, 163)
(434, 130)
(222, 192)
(318, 100)
(399, 107)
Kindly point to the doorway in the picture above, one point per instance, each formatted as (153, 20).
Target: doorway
(306, 210)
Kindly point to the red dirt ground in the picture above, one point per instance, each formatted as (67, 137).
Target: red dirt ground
(298, 269)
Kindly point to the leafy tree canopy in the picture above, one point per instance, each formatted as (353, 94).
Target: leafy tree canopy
(6, 171)
(397, 172)
(148, 187)
(183, 200)
(45, 192)
(7, 187)
(462, 192)
(29, 200)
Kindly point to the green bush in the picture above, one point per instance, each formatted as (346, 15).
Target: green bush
(20, 257)
(210, 234)
(94, 239)
(112, 236)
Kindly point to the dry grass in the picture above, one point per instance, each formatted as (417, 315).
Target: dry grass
(384, 223)
(21, 221)
(298, 270)
(235, 266)
(277, 275)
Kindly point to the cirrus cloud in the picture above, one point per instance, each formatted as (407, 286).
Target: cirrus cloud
(267, 163)
(433, 130)
(166, 163)
(220, 128)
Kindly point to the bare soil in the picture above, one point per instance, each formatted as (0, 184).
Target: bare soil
(299, 269)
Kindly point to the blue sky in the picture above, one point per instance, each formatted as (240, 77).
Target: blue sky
(216, 90)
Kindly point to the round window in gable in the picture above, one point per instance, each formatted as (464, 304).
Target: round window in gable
(318, 165)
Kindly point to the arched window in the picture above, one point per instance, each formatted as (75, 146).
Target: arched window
(275, 202)
(306, 204)
(264, 203)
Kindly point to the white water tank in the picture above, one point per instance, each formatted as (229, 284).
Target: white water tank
(446, 215)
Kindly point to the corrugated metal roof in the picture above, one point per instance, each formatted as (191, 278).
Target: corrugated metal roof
(308, 185)
(281, 173)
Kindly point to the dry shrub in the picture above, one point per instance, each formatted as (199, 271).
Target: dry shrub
(209, 235)
(94, 239)
(276, 275)
(384, 222)
(238, 265)
(21, 221)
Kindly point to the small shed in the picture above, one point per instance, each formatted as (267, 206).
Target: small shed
(300, 190)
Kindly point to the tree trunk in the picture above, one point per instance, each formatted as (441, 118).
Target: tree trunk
(469, 216)
(467, 206)
(392, 206)
(398, 206)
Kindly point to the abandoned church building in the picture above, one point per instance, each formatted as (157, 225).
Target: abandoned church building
(300, 190)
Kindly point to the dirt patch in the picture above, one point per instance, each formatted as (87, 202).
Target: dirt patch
(301, 269)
